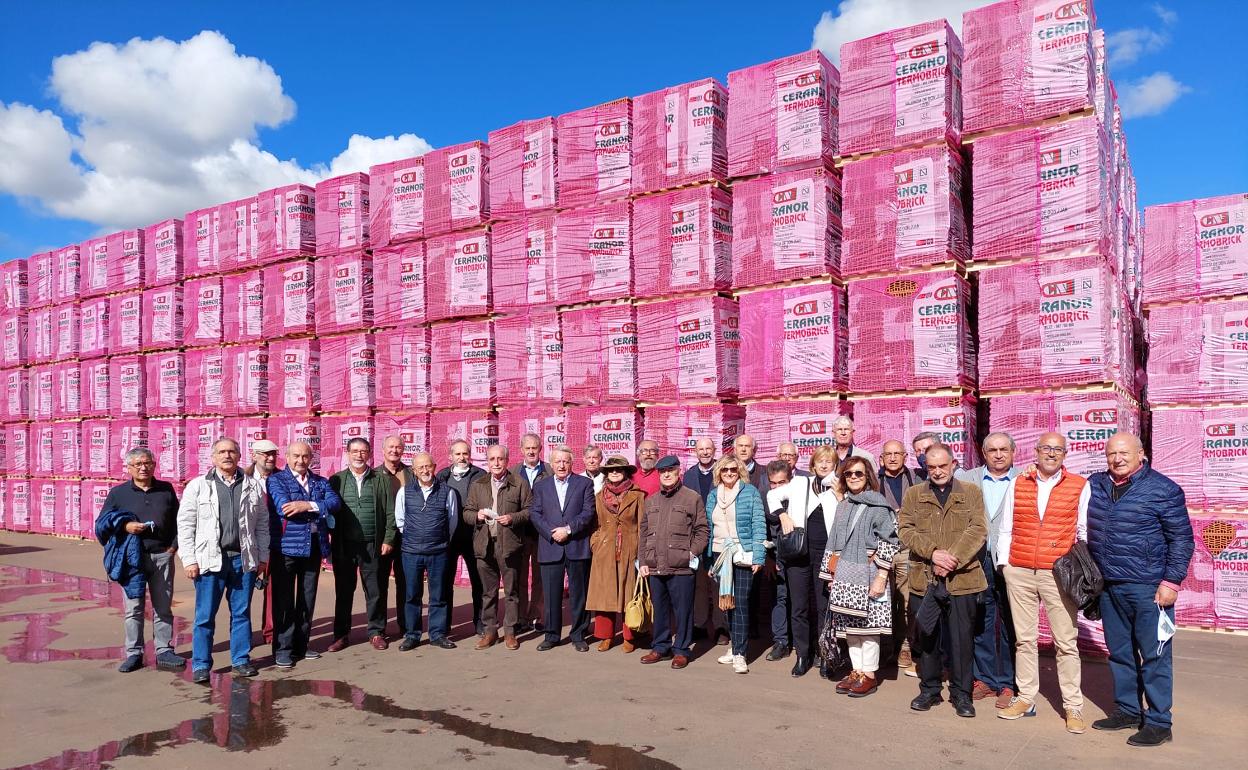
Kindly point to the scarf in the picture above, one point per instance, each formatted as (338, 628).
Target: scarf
(723, 499)
(613, 495)
(458, 474)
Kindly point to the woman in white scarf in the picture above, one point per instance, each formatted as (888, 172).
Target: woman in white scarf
(734, 513)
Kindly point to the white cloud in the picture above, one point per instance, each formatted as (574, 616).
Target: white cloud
(1167, 16)
(856, 19)
(1151, 95)
(162, 128)
(1127, 45)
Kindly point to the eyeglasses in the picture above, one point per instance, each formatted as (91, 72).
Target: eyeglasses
(647, 451)
(855, 475)
(1051, 450)
(143, 464)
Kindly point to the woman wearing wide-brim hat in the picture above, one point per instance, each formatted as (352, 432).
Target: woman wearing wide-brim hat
(613, 572)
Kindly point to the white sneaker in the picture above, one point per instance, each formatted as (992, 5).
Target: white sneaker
(726, 658)
(738, 664)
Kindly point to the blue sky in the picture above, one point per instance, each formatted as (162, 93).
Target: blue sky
(315, 74)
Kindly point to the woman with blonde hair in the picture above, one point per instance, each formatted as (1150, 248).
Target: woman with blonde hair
(734, 514)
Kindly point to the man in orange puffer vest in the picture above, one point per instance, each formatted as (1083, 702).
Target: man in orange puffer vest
(1045, 512)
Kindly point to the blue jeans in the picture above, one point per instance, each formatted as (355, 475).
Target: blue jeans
(236, 586)
(994, 633)
(672, 595)
(1130, 619)
(416, 567)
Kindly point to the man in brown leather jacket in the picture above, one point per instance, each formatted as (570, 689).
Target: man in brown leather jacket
(498, 510)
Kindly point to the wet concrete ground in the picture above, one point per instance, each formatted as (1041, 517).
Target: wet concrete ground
(63, 705)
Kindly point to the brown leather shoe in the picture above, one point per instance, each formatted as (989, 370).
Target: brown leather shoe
(652, 657)
(486, 642)
(511, 641)
(980, 691)
(679, 662)
(604, 645)
(629, 646)
(340, 644)
(846, 684)
(379, 642)
(863, 687)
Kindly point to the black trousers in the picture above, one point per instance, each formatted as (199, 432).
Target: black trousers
(461, 548)
(808, 595)
(577, 571)
(360, 560)
(672, 595)
(956, 632)
(294, 580)
(385, 564)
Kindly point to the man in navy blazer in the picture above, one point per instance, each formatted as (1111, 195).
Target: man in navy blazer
(563, 514)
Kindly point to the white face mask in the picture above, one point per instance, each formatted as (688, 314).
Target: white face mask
(1165, 628)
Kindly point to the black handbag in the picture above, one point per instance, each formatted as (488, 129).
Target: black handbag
(792, 545)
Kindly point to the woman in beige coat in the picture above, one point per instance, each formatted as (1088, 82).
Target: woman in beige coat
(613, 572)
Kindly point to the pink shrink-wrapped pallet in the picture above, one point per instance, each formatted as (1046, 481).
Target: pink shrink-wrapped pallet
(910, 333)
(201, 432)
(93, 378)
(239, 234)
(680, 136)
(1053, 323)
(165, 376)
(289, 299)
(247, 431)
(344, 292)
(1025, 60)
(336, 431)
(287, 223)
(1086, 419)
(523, 168)
(595, 256)
(201, 242)
(794, 341)
(295, 376)
(878, 420)
(683, 240)
(785, 227)
(43, 518)
(203, 316)
(901, 88)
(615, 429)
(13, 346)
(595, 154)
(43, 449)
(242, 316)
(342, 214)
(1198, 353)
(348, 372)
(41, 336)
(1205, 451)
(400, 283)
(94, 324)
(167, 437)
(105, 443)
(14, 286)
(783, 115)
(112, 263)
(17, 496)
(903, 210)
(1196, 248)
(126, 322)
(92, 494)
(1197, 601)
(164, 315)
(162, 253)
(546, 421)
(805, 422)
(16, 395)
(39, 275)
(247, 379)
(397, 202)
(68, 448)
(411, 428)
(600, 354)
(66, 390)
(285, 430)
(1042, 191)
(462, 365)
(523, 263)
(458, 275)
(66, 273)
(17, 440)
(457, 188)
(65, 331)
(688, 350)
(678, 428)
(403, 360)
(207, 388)
(70, 521)
(530, 357)
(42, 392)
(478, 427)
(1227, 544)
(128, 386)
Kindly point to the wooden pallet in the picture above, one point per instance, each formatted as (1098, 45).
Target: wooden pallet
(825, 396)
(1089, 387)
(718, 184)
(1064, 117)
(1198, 405)
(652, 405)
(975, 266)
(949, 265)
(958, 392)
(1150, 306)
(840, 161)
(1212, 630)
(594, 303)
(695, 294)
(829, 279)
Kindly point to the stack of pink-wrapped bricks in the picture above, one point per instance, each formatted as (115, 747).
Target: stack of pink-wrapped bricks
(759, 254)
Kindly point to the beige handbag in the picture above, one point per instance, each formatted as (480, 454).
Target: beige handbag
(639, 612)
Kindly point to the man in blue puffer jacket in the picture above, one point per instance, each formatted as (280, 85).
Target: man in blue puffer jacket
(1141, 538)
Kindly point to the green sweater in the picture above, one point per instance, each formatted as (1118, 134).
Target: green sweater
(367, 516)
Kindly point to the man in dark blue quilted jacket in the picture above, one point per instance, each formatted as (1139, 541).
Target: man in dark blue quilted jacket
(1141, 538)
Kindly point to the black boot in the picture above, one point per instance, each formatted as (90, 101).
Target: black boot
(801, 665)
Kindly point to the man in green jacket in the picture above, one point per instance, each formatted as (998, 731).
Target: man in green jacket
(363, 534)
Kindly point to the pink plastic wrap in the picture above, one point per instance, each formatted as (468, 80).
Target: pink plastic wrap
(523, 168)
(43, 498)
(243, 307)
(457, 188)
(285, 430)
(105, 443)
(162, 253)
(348, 372)
(13, 349)
(14, 286)
(680, 136)
(66, 274)
(1053, 323)
(783, 115)
(65, 331)
(289, 302)
(1025, 60)
(1196, 605)
(342, 214)
(794, 341)
(70, 521)
(600, 354)
(344, 292)
(287, 223)
(903, 210)
(96, 388)
(68, 448)
(412, 429)
(17, 495)
(201, 242)
(207, 388)
(678, 428)
(544, 420)
(163, 314)
(530, 349)
(128, 391)
(126, 322)
(17, 445)
(43, 449)
(686, 239)
(41, 335)
(295, 376)
(247, 431)
(165, 377)
(239, 234)
(523, 263)
(403, 369)
(458, 273)
(1226, 542)
(94, 327)
(92, 494)
(688, 350)
(1198, 353)
(66, 390)
(901, 88)
(595, 154)
(910, 333)
(478, 428)
(462, 365)
(952, 419)
(785, 227)
(42, 392)
(16, 395)
(200, 433)
(1042, 191)
(1205, 451)
(39, 275)
(1196, 249)
(95, 261)
(595, 255)
(397, 205)
(336, 431)
(247, 379)
(167, 440)
(203, 315)
(616, 430)
(1087, 420)
(400, 285)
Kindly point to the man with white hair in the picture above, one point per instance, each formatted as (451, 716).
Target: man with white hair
(426, 513)
(788, 452)
(530, 470)
(592, 457)
(700, 476)
(496, 512)
(843, 432)
(562, 510)
(398, 473)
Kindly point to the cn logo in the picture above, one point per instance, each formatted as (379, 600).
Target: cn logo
(678, 216)
(459, 160)
(479, 343)
(1215, 220)
(491, 430)
(809, 307)
(604, 232)
(609, 129)
(1220, 431)
(629, 328)
(946, 293)
(784, 196)
(924, 49)
(343, 272)
(472, 248)
(408, 177)
(813, 428)
(296, 275)
(1072, 10)
(354, 431)
(1101, 417)
(953, 420)
(905, 177)
(807, 79)
(1058, 288)
(690, 326)
(1051, 157)
(303, 198)
(614, 424)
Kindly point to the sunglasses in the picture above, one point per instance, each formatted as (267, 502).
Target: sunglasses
(855, 475)
(729, 472)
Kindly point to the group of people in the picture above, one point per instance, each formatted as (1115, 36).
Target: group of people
(945, 568)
